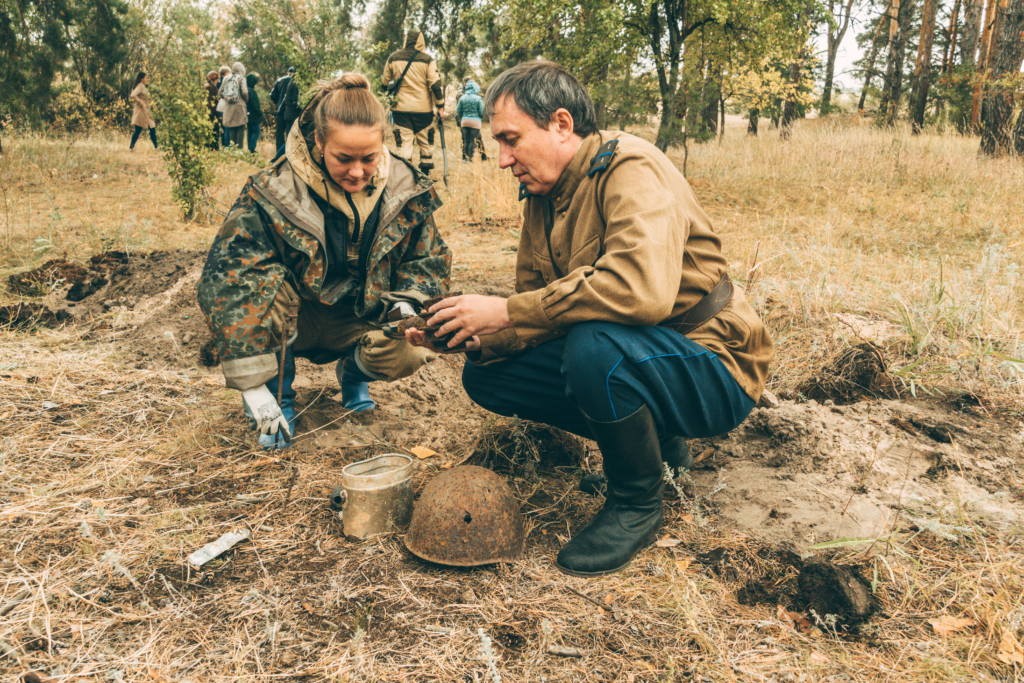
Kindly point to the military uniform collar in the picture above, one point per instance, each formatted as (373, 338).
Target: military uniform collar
(565, 187)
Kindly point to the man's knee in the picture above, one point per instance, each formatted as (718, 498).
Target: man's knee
(476, 381)
(593, 351)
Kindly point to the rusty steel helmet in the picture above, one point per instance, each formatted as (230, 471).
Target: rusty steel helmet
(465, 517)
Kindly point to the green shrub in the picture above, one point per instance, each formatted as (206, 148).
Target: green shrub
(185, 130)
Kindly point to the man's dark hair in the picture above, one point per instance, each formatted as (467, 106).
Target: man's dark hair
(539, 89)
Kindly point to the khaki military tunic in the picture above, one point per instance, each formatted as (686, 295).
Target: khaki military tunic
(629, 244)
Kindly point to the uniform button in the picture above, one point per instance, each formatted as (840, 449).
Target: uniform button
(558, 253)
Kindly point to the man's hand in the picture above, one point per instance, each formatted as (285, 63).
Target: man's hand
(419, 338)
(440, 112)
(470, 315)
(266, 411)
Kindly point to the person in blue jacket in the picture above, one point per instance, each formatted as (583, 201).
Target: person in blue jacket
(469, 111)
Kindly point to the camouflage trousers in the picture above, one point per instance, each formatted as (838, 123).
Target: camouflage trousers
(328, 333)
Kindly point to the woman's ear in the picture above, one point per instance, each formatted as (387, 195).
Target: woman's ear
(319, 142)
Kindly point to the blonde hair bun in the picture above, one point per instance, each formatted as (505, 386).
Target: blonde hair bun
(352, 81)
(347, 100)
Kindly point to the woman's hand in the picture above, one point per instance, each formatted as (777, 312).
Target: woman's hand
(469, 315)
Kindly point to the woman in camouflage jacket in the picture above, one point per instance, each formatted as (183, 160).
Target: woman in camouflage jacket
(338, 233)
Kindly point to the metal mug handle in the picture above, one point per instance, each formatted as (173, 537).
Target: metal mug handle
(338, 498)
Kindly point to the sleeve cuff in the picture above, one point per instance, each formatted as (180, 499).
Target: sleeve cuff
(496, 347)
(526, 309)
(248, 373)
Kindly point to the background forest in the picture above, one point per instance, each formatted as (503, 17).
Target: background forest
(678, 64)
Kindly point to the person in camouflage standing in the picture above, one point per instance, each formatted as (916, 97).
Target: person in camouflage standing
(414, 86)
(340, 229)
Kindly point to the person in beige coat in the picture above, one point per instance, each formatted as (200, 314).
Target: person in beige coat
(625, 326)
(142, 111)
(414, 87)
(235, 93)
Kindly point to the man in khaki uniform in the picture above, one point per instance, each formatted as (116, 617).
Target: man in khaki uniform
(411, 80)
(625, 327)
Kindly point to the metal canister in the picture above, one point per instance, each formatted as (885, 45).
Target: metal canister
(376, 495)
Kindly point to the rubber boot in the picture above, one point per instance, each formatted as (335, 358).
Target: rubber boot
(271, 442)
(675, 453)
(355, 394)
(632, 512)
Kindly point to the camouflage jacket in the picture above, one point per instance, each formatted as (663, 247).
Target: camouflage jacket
(274, 234)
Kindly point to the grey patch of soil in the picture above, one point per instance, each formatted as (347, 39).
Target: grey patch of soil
(805, 473)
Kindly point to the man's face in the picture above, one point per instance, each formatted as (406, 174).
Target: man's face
(351, 154)
(537, 156)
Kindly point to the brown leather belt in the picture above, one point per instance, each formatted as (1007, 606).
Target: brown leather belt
(704, 310)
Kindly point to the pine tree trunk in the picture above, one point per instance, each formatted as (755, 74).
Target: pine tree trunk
(984, 52)
(834, 39)
(972, 30)
(923, 66)
(949, 52)
(1005, 54)
(890, 104)
(869, 70)
(789, 109)
(1018, 135)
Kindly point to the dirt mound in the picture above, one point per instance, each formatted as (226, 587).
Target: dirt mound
(38, 281)
(836, 594)
(523, 448)
(856, 373)
(27, 316)
(146, 299)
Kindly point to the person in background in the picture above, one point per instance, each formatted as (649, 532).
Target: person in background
(255, 113)
(235, 94)
(413, 84)
(212, 84)
(285, 96)
(343, 231)
(142, 113)
(221, 104)
(469, 111)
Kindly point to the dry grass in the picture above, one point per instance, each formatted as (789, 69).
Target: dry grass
(113, 474)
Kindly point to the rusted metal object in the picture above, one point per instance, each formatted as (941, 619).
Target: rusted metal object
(377, 495)
(397, 325)
(466, 517)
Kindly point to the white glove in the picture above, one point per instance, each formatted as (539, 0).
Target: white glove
(405, 308)
(266, 411)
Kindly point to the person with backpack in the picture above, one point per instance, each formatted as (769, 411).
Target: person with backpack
(212, 86)
(317, 250)
(413, 86)
(221, 104)
(469, 111)
(255, 114)
(285, 96)
(142, 113)
(235, 94)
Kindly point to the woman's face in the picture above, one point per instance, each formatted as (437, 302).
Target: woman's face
(351, 154)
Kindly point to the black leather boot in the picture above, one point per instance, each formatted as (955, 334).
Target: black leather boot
(674, 452)
(631, 516)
